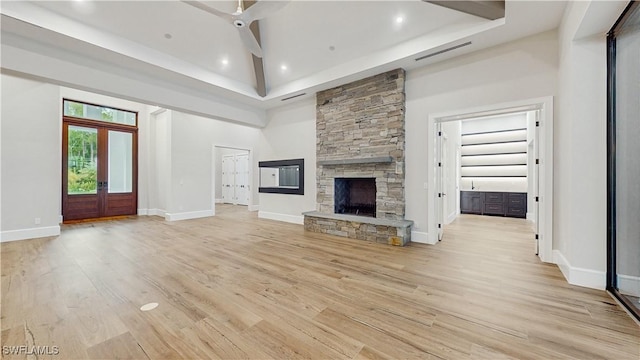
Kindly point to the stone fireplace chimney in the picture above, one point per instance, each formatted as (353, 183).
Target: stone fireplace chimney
(360, 135)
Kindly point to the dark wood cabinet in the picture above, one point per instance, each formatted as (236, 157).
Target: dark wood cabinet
(494, 203)
(471, 202)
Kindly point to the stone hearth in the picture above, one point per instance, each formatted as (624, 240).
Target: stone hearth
(360, 134)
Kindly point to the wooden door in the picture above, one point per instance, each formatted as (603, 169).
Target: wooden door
(99, 170)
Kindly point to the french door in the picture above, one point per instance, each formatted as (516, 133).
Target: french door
(99, 169)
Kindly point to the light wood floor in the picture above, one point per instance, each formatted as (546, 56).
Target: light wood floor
(235, 286)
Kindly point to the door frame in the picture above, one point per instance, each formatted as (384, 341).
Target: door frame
(214, 155)
(545, 173)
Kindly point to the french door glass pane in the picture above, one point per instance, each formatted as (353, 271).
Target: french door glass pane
(627, 123)
(120, 162)
(82, 160)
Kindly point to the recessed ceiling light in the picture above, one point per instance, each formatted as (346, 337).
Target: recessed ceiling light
(225, 61)
(168, 36)
(283, 67)
(399, 19)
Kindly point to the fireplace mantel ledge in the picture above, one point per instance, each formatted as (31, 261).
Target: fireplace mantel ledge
(369, 160)
(361, 219)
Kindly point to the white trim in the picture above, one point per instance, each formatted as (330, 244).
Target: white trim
(24, 234)
(629, 285)
(156, 212)
(294, 219)
(254, 207)
(420, 237)
(151, 212)
(451, 217)
(60, 219)
(158, 111)
(219, 201)
(188, 215)
(579, 276)
(529, 216)
(545, 140)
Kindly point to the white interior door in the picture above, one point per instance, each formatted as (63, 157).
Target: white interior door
(228, 179)
(242, 179)
(536, 184)
(439, 200)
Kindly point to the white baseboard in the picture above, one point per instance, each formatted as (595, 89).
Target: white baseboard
(629, 285)
(23, 234)
(188, 215)
(580, 276)
(420, 237)
(451, 217)
(294, 219)
(151, 212)
(219, 201)
(529, 216)
(254, 207)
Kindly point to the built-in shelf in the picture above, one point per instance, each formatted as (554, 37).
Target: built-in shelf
(494, 154)
(494, 132)
(369, 160)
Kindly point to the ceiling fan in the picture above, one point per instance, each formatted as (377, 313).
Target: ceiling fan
(242, 18)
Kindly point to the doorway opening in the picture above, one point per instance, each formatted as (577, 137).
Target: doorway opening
(502, 171)
(232, 177)
(99, 161)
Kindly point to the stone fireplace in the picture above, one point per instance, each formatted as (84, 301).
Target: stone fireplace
(356, 196)
(360, 143)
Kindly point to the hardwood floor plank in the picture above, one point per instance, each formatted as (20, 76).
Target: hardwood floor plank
(123, 346)
(238, 287)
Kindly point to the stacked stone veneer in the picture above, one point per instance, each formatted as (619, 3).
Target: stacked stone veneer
(360, 133)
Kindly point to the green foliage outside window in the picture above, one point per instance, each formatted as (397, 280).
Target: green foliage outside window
(82, 158)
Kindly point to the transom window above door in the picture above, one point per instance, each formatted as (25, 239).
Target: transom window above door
(99, 113)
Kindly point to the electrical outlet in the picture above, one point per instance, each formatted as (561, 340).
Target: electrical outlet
(37, 221)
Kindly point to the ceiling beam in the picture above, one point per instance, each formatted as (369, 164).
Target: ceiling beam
(490, 10)
(258, 65)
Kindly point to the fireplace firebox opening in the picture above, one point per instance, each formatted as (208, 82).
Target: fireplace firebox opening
(355, 196)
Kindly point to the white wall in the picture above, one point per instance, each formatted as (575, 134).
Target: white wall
(31, 157)
(159, 163)
(174, 168)
(522, 69)
(192, 141)
(290, 134)
(580, 227)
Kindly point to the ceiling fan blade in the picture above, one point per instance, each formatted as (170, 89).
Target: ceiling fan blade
(210, 10)
(262, 9)
(250, 41)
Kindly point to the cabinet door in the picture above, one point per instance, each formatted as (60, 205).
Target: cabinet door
(493, 209)
(516, 204)
(471, 202)
(494, 197)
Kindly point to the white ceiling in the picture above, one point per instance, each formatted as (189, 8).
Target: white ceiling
(322, 43)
